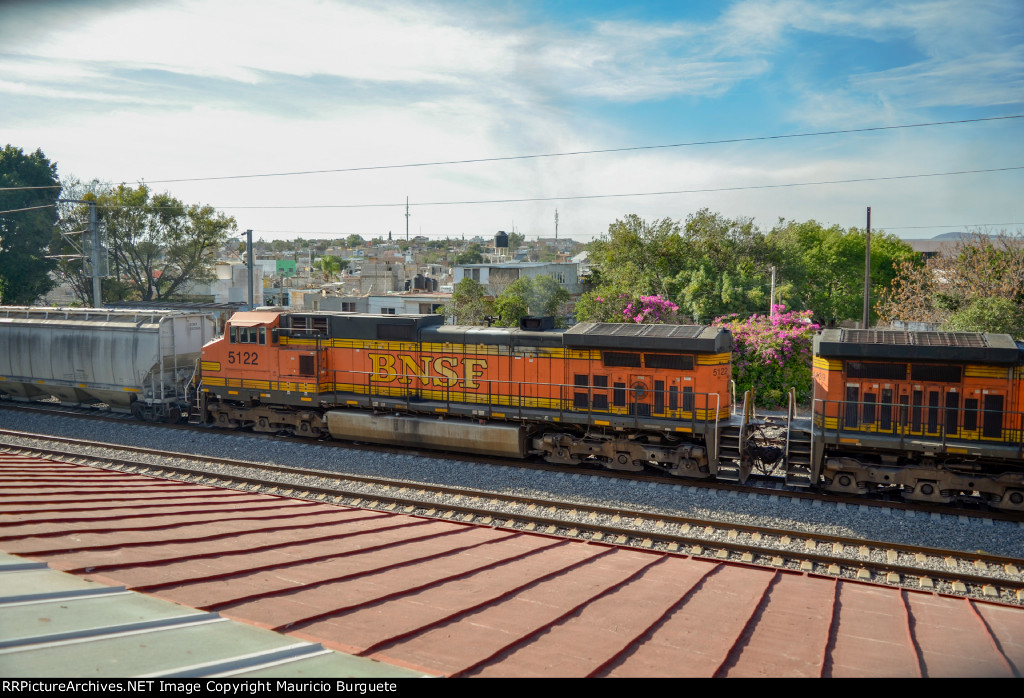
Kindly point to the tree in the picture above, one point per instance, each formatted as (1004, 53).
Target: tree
(26, 234)
(515, 241)
(158, 245)
(472, 255)
(639, 255)
(469, 304)
(771, 354)
(524, 296)
(992, 314)
(330, 266)
(825, 267)
(955, 284)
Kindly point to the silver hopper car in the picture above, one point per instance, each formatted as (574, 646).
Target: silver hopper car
(138, 361)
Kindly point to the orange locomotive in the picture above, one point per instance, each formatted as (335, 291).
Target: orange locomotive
(623, 395)
(931, 413)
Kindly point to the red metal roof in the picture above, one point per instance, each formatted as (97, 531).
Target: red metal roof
(458, 599)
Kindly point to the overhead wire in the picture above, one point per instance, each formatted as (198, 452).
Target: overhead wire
(575, 197)
(505, 158)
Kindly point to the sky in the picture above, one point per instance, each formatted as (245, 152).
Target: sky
(348, 105)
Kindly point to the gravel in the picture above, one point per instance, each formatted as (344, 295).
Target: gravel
(949, 531)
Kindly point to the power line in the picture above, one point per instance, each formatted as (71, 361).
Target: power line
(752, 187)
(588, 152)
(30, 208)
(626, 195)
(506, 158)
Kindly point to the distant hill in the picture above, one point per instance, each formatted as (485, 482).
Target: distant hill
(957, 236)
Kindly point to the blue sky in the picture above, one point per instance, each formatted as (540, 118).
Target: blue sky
(129, 92)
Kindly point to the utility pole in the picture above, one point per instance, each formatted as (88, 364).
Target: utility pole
(407, 219)
(771, 302)
(867, 275)
(248, 255)
(95, 251)
(556, 223)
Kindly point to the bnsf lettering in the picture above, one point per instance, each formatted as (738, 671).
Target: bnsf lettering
(246, 358)
(439, 371)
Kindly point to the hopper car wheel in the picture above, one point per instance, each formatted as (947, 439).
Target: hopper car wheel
(138, 411)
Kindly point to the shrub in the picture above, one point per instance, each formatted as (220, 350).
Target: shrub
(771, 354)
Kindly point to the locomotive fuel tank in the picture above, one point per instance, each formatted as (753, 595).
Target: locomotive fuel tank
(490, 438)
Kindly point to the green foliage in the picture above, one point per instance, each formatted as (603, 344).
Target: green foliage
(539, 296)
(606, 304)
(469, 304)
(639, 255)
(472, 255)
(960, 282)
(989, 314)
(26, 235)
(772, 354)
(330, 266)
(158, 245)
(825, 267)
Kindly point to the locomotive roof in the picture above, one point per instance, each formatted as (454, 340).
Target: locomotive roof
(619, 335)
(925, 346)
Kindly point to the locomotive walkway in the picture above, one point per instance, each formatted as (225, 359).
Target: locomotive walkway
(454, 599)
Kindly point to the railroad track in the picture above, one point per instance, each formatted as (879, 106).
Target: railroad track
(765, 485)
(975, 575)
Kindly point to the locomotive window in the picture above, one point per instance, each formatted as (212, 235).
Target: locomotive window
(582, 380)
(306, 365)
(859, 369)
(952, 406)
(933, 411)
(970, 414)
(850, 407)
(600, 381)
(263, 335)
(935, 374)
(659, 396)
(679, 362)
(619, 396)
(389, 331)
(992, 421)
(233, 333)
(870, 400)
(621, 358)
(886, 409)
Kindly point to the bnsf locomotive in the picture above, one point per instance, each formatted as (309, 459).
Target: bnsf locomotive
(929, 415)
(625, 396)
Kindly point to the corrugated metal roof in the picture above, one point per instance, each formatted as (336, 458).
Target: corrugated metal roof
(451, 598)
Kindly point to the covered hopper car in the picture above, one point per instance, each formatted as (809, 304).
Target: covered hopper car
(139, 362)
